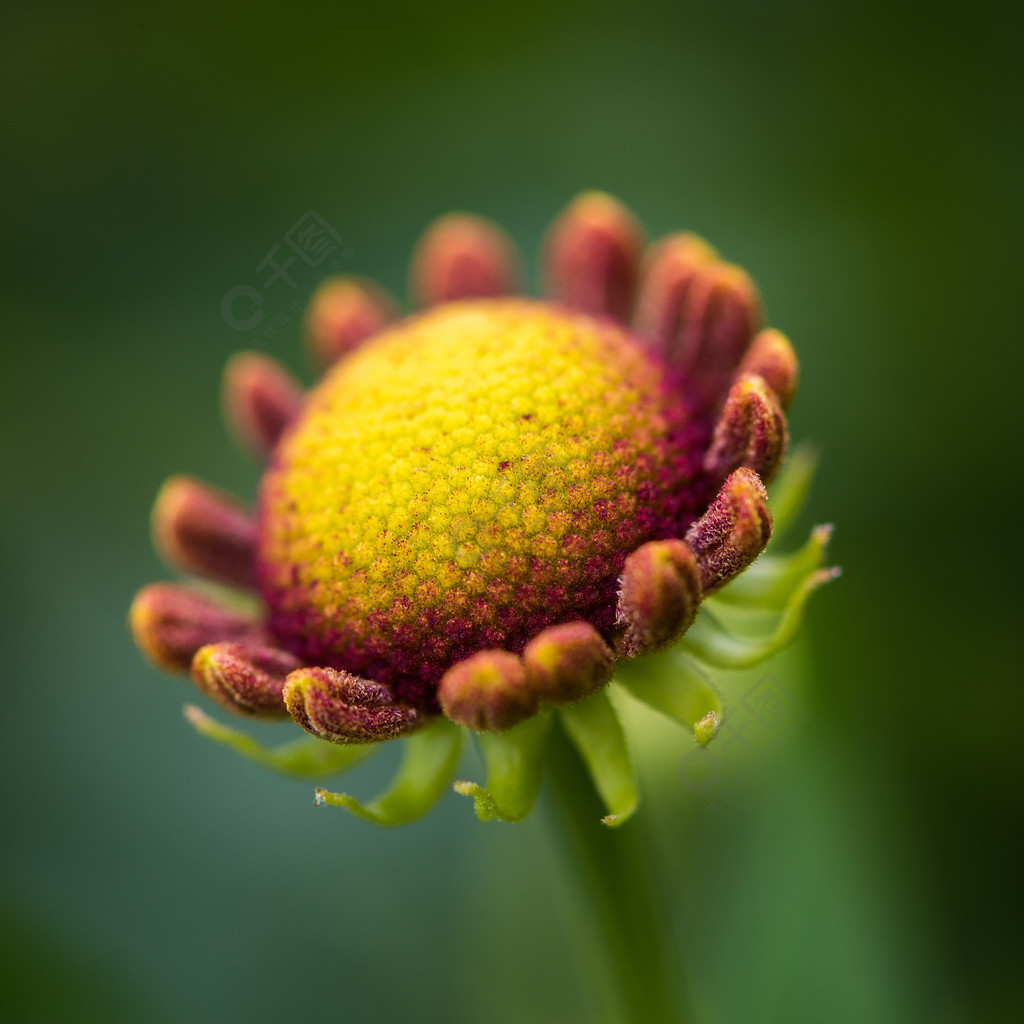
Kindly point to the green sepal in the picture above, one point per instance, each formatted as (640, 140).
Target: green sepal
(428, 762)
(787, 495)
(711, 643)
(672, 684)
(302, 758)
(594, 727)
(514, 760)
(770, 582)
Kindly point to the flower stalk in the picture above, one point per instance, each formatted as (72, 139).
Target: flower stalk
(626, 945)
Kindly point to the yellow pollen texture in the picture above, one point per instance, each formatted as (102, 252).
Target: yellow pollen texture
(470, 476)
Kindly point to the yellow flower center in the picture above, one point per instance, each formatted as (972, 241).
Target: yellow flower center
(470, 476)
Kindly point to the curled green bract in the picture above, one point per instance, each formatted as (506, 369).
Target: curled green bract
(514, 760)
(429, 759)
(303, 758)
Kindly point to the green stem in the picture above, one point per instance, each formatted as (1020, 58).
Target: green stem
(611, 871)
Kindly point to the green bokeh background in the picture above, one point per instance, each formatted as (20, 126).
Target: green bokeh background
(861, 159)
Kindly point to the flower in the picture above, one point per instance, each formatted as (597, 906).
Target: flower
(486, 510)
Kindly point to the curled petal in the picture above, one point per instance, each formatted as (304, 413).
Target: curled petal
(245, 679)
(260, 398)
(488, 691)
(202, 530)
(733, 532)
(772, 358)
(750, 432)
(343, 708)
(668, 274)
(659, 597)
(170, 623)
(591, 256)
(463, 257)
(566, 663)
(342, 314)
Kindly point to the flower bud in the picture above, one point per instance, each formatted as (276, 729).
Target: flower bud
(259, 398)
(244, 679)
(591, 255)
(751, 431)
(343, 708)
(202, 530)
(668, 273)
(772, 358)
(733, 532)
(566, 663)
(488, 691)
(170, 623)
(659, 597)
(463, 257)
(719, 316)
(342, 314)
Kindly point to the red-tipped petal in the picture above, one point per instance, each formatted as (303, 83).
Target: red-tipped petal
(723, 310)
(170, 623)
(591, 256)
(772, 358)
(733, 532)
(659, 597)
(701, 312)
(461, 256)
(245, 679)
(202, 530)
(566, 663)
(342, 313)
(343, 708)
(260, 398)
(751, 431)
(489, 691)
(668, 273)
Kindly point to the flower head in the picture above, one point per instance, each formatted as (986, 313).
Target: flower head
(485, 510)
